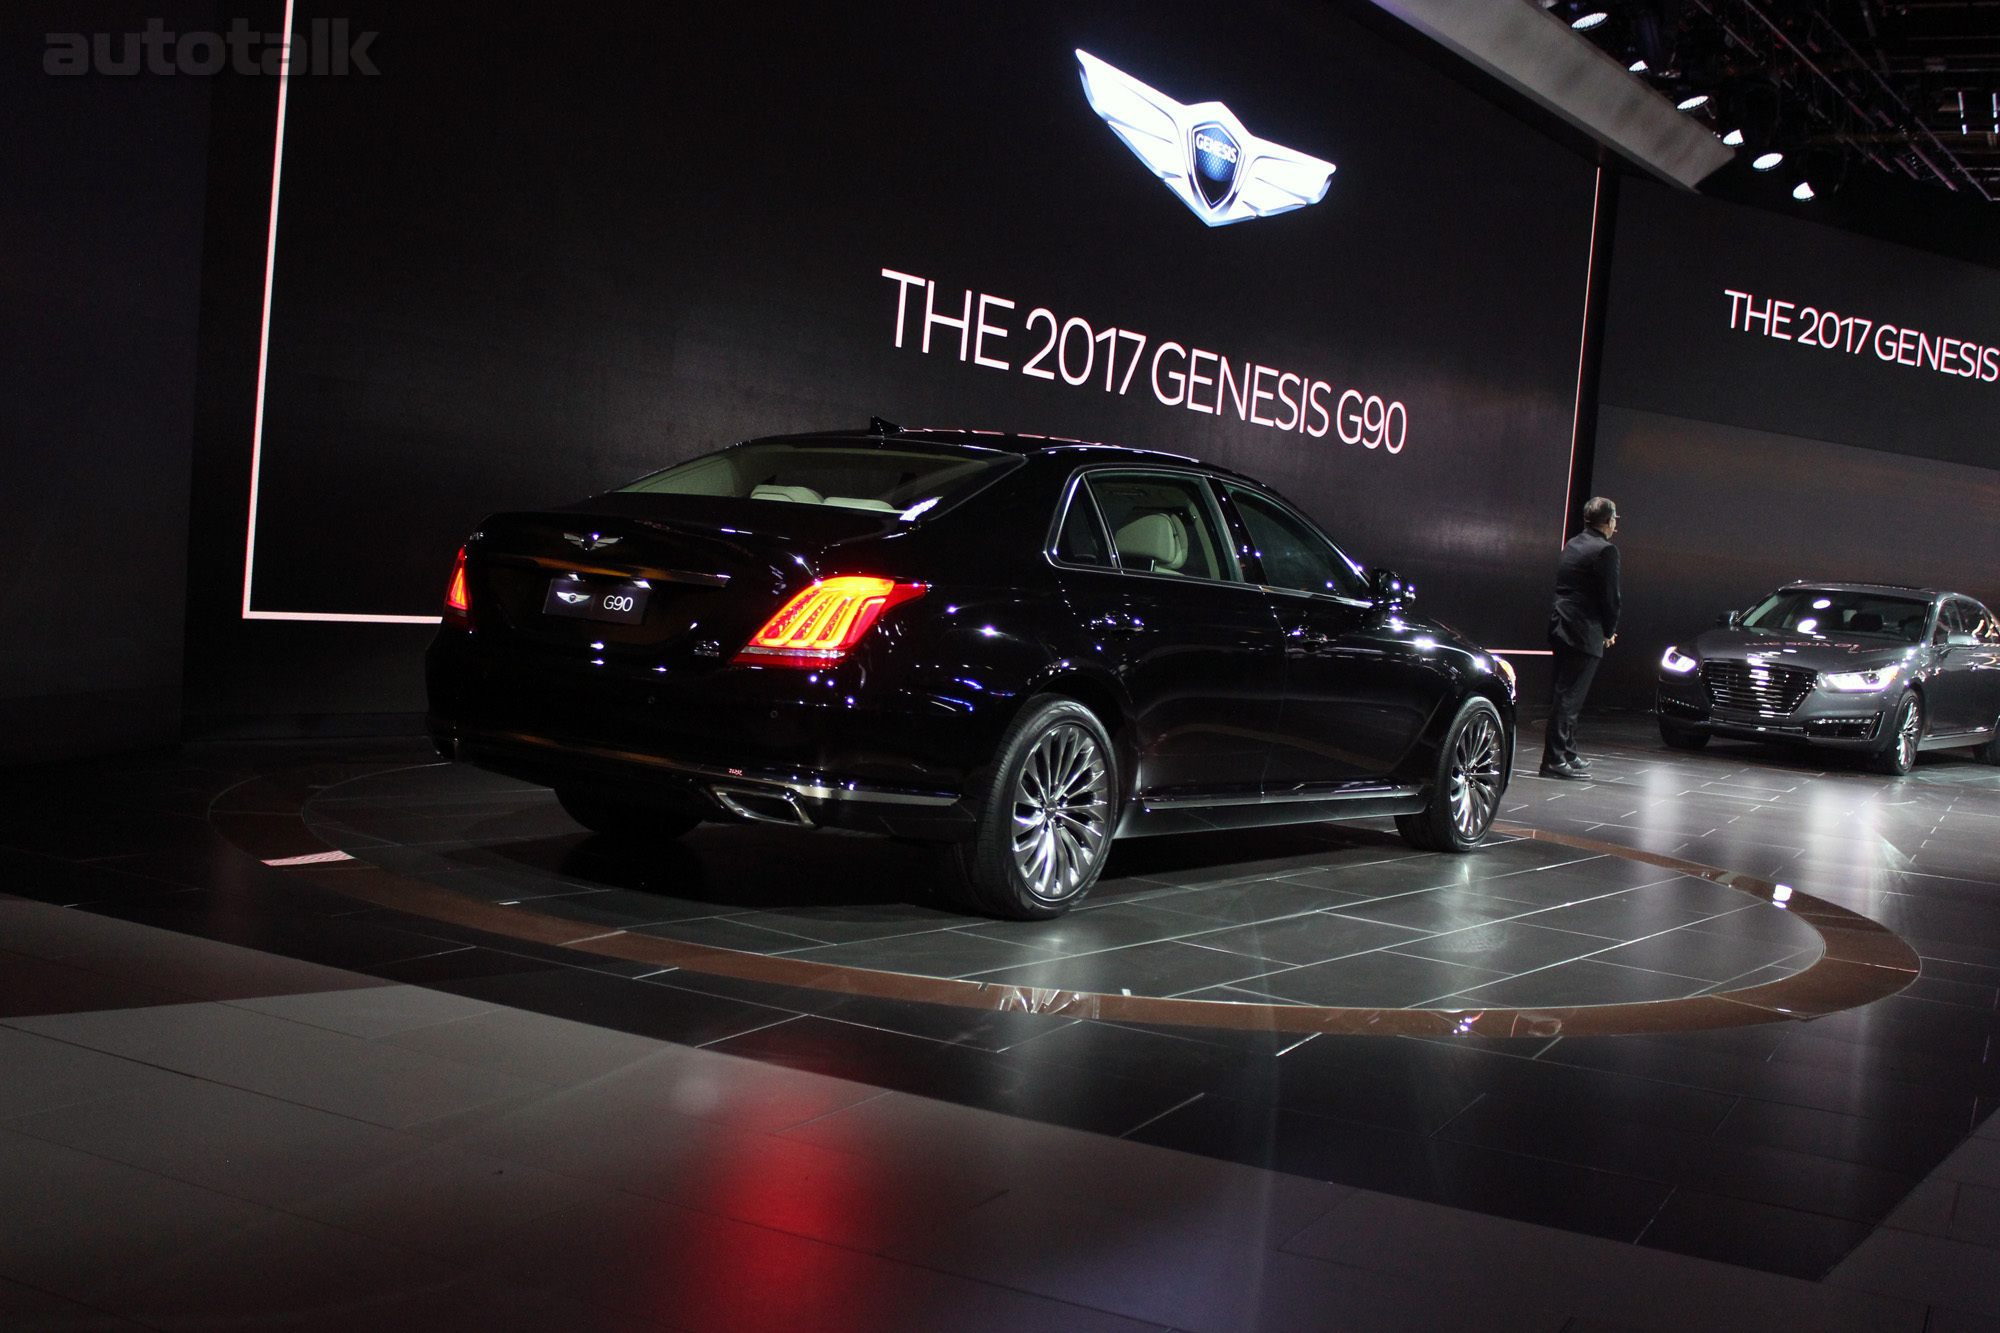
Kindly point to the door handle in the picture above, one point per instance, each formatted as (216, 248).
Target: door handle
(1120, 622)
(1309, 639)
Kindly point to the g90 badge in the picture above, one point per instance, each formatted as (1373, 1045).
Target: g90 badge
(621, 603)
(1220, 170)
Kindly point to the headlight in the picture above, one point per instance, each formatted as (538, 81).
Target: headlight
(1858, 681)
(1506, 672)
(1678, 662)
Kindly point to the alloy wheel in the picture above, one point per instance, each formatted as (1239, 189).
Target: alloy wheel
(1061, 803)
(1475, 775)
(1909, 732)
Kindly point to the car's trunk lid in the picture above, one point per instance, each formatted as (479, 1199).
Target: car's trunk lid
(688, 578)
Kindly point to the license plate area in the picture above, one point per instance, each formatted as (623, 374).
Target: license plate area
(582, 599)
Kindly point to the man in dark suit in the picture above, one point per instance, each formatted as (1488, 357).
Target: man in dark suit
(1583, 624)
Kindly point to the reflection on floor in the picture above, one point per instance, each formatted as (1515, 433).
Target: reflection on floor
(1782, 1148)
(1323, 915)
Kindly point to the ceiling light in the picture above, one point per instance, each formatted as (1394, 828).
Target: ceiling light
(1803, 190)
(1734, 138)
(1639, 66)
(1589, 21)
(1765, 161)
(1691, 103)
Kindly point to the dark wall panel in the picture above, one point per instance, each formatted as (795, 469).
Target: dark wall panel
(1713, 517)
(101, 215)
(1911, 330)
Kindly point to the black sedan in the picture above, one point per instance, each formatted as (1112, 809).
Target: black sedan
(1018, 648)
(1889, 671)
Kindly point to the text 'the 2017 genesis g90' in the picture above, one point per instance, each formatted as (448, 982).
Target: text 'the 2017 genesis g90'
(1015, 647)
(1885, 670)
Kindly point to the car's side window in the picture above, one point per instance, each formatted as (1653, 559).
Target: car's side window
(1292, 554)
(1163, 523)
(1949, 622)
(1962, 617)
(1081, 539)
(1989, 630)
(1942, 626)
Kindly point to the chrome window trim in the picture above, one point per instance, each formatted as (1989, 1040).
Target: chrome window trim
(1308, 594)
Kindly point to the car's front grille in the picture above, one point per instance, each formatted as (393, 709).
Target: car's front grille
(1767, 691)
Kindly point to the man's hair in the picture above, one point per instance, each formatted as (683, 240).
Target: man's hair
(1599, 511)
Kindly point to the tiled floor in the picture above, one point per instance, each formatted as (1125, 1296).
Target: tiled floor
(1323, 915)
(325, 1151)
(1846, 1145)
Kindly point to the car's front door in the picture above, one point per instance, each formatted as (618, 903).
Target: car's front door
(1359, 683)
(1168, 611)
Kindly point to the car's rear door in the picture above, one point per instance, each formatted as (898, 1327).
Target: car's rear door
(1165, 607)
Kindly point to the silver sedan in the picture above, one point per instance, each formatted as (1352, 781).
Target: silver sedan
(1889, 671)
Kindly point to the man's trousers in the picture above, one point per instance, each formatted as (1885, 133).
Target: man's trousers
(1573, 672)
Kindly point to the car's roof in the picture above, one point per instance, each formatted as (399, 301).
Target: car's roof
(1004, 441)
(1892, 589)
(1020, 443)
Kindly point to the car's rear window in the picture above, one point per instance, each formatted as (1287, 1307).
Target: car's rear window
(1828, 611)
(908, 483)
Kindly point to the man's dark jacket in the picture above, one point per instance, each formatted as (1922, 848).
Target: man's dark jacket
(1586, 609)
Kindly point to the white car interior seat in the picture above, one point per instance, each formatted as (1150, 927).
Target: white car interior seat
(795, 494)
(1155, 542)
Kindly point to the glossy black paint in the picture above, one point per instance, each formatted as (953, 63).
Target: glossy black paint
(1230, 703)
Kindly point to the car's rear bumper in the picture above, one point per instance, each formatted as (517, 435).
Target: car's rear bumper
(777, 795)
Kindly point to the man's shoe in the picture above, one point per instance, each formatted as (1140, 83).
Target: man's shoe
(1563, 771)
(1580, 764)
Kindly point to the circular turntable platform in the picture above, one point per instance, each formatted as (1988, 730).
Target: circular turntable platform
(1319, 928)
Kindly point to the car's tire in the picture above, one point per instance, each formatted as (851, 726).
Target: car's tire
(1045, 811)
(1681, 738)
(635, 820)
(1471, 776)
(1898, 754)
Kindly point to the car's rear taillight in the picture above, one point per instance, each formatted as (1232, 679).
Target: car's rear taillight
(819, 626)
(457, 603)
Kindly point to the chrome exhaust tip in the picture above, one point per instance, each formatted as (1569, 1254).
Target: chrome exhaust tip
(765, 805)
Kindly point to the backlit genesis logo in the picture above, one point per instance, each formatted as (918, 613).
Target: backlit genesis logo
(1220, 170)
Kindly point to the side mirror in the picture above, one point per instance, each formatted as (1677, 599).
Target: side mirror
(1961, 640)
(1729, 619)
(1387, 587)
